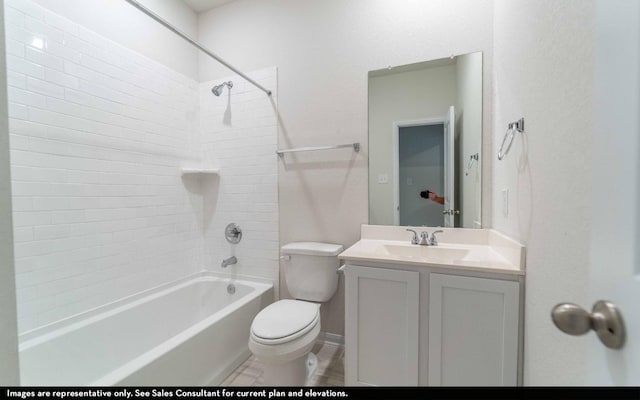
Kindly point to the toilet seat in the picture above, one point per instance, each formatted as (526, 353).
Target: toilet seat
(284, 321)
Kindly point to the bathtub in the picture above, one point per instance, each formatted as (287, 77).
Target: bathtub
(191, 332)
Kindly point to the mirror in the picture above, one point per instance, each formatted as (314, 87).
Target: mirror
(425, 141)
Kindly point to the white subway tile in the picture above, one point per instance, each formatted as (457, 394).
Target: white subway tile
(22, 204)
(60, 120)
(76, 43)
(31, 249)
(26, 7)
(19, 142)
(43, 87)
(23, 234)
(66, 203)
(87, 99)
(37, 26)
(13, 17)
(15, 48)
(21, 96)
(18, 111)
(66, 217)
(21, 35)
(42, 58)
(101, 91)
(60, 78)
(62, 51)
(31, 218)
(64, 107)
(22, 66)
(16, 79)
(51, 232)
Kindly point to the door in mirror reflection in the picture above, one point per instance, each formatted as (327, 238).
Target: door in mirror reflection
(425, 138)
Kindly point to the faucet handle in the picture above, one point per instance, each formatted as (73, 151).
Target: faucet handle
(414, 239)
(433, 241)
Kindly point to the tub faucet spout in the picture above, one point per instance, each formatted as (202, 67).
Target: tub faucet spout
(229, 261)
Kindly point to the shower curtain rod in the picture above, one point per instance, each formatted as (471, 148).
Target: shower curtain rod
(194, 43)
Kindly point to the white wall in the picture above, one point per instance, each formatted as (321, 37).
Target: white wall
(9, 375)
(323, 50)
(421, 94)
(239, 133)
(543, 71)
(469, 97)
(98, 136)
(125, 24)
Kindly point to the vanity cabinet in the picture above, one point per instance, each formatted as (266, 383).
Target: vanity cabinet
(382, 316)
(473, 331)
(429, 326)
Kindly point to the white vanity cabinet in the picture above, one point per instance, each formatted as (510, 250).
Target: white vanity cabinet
(473, 331)
(428, 326)
(382, 327)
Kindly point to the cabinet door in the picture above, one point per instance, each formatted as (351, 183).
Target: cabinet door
(473, 331)
(381, 327)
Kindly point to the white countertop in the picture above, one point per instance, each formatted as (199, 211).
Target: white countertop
(468, 249)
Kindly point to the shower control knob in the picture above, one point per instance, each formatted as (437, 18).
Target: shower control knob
(233, 233)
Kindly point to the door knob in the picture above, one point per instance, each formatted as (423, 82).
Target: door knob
(605, 319)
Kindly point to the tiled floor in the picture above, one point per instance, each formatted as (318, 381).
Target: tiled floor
(330, 371)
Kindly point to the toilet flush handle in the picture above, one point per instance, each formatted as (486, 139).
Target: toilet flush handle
(341, 269)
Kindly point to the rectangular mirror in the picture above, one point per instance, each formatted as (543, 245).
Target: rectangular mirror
(425, 141)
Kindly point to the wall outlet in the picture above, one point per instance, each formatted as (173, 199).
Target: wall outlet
(383, 178)
(505, 202)
(409, 181)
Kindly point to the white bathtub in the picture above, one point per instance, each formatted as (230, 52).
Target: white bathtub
(190, 332)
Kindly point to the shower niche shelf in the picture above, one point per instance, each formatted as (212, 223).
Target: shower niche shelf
(200, 171)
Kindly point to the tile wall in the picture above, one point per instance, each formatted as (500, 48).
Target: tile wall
(99, 135)
(238, 131)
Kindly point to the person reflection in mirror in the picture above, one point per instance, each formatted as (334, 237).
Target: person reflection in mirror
(427, 194)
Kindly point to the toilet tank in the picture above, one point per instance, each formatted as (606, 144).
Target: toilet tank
(311, 270)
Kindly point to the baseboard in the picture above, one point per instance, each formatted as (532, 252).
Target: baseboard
(331, 338)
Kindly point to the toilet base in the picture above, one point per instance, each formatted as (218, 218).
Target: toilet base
(312, 364)
(291, 373)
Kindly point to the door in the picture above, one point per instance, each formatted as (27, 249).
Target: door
(615, 251)
(418, 160)
(449, 168)
(615, 261)
(473, 331)
(381, 327)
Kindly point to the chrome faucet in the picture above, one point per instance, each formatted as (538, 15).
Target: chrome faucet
(229, 261)
(424, 239)
(433, 241)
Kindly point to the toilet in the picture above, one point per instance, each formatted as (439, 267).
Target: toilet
(283, 333)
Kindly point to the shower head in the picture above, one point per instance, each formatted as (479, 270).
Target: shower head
(217, 90)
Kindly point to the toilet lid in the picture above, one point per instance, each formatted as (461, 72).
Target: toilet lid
(285, 319)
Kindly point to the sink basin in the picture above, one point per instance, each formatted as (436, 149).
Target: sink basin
(424, 253)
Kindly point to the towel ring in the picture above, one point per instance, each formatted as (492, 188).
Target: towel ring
(512, 128)
(472, 158)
